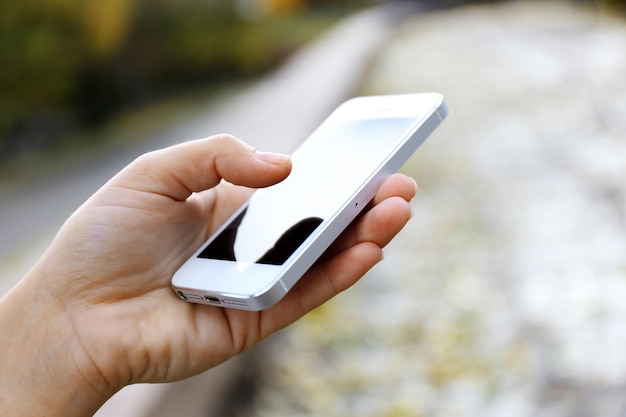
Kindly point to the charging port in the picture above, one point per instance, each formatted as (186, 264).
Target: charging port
(213, 300)
(182, 295)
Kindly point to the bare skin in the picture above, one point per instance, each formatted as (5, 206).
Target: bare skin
(96, 312)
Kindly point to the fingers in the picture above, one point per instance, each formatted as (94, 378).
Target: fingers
(194, 166)
(396, 185)
(388, 213)
(378, 225)
(320, 284)
(351, 256)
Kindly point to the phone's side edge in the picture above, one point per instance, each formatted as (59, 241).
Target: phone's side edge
(349, 213)
(424, 130)
(443, 110)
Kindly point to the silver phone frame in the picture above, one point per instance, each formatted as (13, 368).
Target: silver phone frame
(272, 282)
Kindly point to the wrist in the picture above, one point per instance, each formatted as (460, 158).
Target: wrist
(43, 369)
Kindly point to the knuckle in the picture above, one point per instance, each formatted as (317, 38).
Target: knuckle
(224, 139)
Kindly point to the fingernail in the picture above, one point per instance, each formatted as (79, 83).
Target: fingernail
(272, 158)
(415, 184)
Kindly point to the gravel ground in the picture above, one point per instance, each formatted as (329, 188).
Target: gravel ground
(505, 294)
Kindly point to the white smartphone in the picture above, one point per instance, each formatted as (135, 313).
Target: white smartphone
(258, 255)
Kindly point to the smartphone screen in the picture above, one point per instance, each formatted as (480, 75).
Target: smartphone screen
(278, 219)
(262, 251)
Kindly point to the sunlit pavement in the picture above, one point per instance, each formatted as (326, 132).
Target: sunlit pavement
(506, 294)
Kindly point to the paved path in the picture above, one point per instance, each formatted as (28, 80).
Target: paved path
(506, 294)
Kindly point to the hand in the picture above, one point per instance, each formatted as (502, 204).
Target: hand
(99, 307)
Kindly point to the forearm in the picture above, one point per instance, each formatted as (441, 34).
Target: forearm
(42, 369)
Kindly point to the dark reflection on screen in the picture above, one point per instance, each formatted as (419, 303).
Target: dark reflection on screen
(334, 163)
(223, 247)
(290, 240)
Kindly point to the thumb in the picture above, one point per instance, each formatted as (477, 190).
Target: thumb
(198, 165)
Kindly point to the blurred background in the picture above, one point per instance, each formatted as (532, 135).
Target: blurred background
(70, 65)
(504, 296)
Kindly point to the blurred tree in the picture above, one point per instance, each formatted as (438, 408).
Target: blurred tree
(106, 24)
(610, 5)
(258, 9)
(44, 46)
(69, 63)
(74, 63)
(40, 50)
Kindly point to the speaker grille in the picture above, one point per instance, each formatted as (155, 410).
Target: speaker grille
(194, 297)
(235, 302)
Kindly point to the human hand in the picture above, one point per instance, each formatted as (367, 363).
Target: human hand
(103, 285)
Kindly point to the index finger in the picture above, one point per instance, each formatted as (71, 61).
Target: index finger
(180, 170)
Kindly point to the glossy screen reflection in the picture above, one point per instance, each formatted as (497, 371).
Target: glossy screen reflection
(327, 170)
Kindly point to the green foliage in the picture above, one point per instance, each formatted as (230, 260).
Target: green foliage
(39, 56)
(73, 63)
(69, 63)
